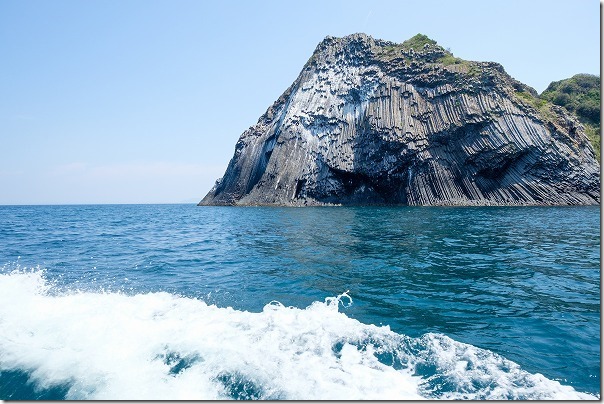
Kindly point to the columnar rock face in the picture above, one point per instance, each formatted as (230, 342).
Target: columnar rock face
(374, 122)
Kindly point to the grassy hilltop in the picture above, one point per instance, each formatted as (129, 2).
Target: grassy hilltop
(580, 95)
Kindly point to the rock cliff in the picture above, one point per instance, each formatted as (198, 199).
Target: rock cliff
(375, 122)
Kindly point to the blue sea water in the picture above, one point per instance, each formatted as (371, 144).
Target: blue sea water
(179, 301)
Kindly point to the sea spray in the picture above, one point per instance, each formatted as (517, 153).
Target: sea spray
(162, 346)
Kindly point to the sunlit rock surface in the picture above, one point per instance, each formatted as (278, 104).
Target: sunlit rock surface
(371, 122)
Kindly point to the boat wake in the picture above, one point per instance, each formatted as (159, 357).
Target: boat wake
(83, 345)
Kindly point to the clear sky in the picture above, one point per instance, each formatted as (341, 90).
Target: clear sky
(105, 101)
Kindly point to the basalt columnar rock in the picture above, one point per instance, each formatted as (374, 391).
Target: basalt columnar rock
(374, 122)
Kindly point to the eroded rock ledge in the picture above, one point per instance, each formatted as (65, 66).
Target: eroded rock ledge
(374, 122)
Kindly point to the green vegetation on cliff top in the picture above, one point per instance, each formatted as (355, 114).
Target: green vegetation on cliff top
(418, 42)
(433, 54)
(580, 95)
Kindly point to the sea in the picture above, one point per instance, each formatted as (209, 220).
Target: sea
(175, 302)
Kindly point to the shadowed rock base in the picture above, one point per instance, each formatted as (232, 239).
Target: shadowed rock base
(370, 122)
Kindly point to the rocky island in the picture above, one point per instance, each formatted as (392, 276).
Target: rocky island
(372, 122)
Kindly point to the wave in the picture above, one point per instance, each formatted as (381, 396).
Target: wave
(163, 346)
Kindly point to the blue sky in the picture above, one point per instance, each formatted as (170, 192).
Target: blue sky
(106, 101)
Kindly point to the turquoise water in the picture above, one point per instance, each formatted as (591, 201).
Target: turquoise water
(179, 301)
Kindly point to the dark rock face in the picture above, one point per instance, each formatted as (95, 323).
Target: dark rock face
(374, 122)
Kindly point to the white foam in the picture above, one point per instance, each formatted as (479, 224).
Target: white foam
(161, 346)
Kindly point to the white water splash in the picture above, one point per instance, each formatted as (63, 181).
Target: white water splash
(161, 346)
